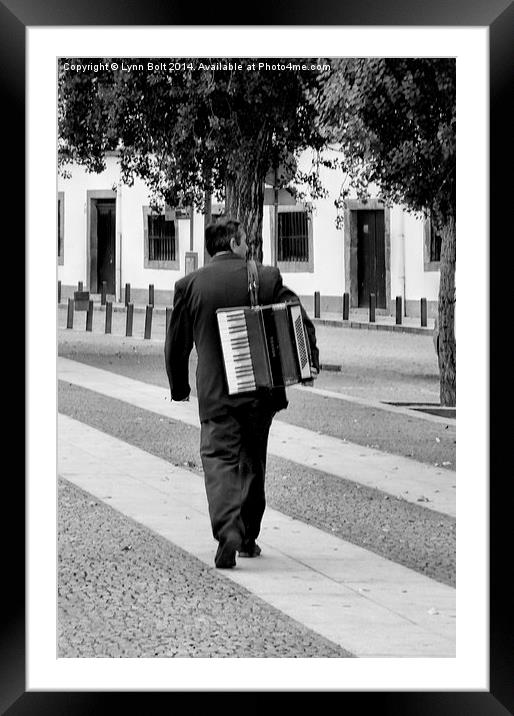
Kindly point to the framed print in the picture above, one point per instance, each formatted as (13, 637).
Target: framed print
(38, 674)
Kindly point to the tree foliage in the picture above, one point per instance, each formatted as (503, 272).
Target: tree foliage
(213, 128)
(208, 128)
(394, 122)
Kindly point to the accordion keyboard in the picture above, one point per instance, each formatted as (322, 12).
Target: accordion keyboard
(301, 343)
(236, 351)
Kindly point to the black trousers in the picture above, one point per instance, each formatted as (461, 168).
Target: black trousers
(233, 449)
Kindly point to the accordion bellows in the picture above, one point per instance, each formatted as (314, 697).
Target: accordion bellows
(263, 346)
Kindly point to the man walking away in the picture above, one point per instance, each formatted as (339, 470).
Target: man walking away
(234, 428)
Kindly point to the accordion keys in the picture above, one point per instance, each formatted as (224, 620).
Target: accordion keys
(235, 345)
(302, 345)
(263, 346)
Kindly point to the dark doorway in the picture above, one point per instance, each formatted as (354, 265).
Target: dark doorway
(104, 218)
(371, 269)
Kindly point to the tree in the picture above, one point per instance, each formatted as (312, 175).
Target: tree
(394, 122)
(210, 126)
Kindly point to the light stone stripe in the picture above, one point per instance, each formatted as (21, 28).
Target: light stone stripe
(413, 481)
(368, 605)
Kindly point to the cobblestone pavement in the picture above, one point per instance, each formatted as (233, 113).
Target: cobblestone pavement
(407, 533)
(412, 378)
(147, 598)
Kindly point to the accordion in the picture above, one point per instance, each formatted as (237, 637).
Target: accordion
(264, 346)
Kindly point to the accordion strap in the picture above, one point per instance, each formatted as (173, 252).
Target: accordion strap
(253, 282)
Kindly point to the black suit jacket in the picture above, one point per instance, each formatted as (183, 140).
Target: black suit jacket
(222, 283)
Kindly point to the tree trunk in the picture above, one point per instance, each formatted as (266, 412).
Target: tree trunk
(244, 201)
(446, 316)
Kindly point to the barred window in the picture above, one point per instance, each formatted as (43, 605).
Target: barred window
(435, 244)
(293, 236)
(432, 246)
(161, 238)
(59, 228)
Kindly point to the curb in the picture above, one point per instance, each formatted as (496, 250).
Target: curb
(372, 326)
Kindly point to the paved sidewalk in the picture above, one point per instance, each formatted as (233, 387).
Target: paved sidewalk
(399, 476)
(365, 603)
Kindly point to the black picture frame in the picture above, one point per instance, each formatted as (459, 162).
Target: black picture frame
(498, 15)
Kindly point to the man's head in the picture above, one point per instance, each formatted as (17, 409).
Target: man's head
(225, 235)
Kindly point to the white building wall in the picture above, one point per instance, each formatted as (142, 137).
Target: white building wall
(73, 269)
(408, 277)
(398, 254)
(133, 269)
(75, 189)
(419, 282)
(328, 244)
(328, 250)
(130, 248)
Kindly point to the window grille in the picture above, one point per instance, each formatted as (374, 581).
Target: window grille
(161, 238)
(432, 241)
(59, 228)
(293, 236)
(435, 244)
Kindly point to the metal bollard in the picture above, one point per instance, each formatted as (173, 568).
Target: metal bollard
(372, 307)
(316, 304)
(130, 320)
(108, 317)
(89, 317)
(103, 297)
(71, 308)
(127, 294)
(58, 291)
(424, 312)
(168, 317)
(148, 322)
(346, 306)
(398, 310)
(151, 294)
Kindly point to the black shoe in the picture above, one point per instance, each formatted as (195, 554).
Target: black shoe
(250, 549)
(226, 554)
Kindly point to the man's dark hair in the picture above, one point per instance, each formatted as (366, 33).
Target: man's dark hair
(219, 233)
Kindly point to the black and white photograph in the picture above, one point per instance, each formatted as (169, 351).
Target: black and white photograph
(303, 442)
(256, 357)
(255, 481)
